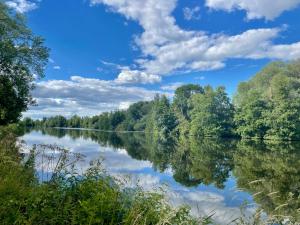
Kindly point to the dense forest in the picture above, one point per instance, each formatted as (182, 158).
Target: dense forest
(265, 107)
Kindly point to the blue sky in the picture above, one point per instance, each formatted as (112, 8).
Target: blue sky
(107, 54)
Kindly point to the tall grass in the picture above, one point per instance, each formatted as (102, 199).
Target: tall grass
(69, 198)
(94, 197)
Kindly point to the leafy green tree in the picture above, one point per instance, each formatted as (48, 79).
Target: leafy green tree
(284, 119)
(22, 57)
(251, 119)
(136, 116)
(182, 97)
(163, 118)
(182, 107)
(212, 113)
(268, 105)
(28, 122)
(74, 122)
(117, 118)
(57, 121)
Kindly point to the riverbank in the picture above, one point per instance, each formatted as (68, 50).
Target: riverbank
(92, 198)
(25, 194)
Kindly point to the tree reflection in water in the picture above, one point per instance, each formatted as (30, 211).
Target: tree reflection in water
(269, 171)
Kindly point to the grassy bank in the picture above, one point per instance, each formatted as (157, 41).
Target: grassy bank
(92, 198)
(96, 198)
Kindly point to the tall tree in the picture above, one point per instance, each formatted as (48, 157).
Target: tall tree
(182, 106)
(182, 96)
(251, 118)
(22, 58)
(163, 120)
(268, 105)
(212, 113)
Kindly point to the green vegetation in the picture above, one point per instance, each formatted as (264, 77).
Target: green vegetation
(269, 171)
(266, 107)
(196, 111)
(211, 114)
(133, 119)
(67, 198)
(22, 55)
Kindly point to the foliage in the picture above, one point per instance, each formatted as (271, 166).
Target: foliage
(163, 121)
(182, 107)
(182, 97)
(67, 198)
(212, 114)
(132, 119)
(22, 57)
(208, 112)
(268, 105)
(269, 171)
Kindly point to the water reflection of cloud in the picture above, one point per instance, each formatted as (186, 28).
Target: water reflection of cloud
(205, 203)
(117, 162)
(202, 203)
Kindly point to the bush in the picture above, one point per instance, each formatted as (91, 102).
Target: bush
(69, 198)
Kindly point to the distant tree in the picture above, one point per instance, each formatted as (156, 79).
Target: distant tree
(22, 57)
(182, 96)
(162, 120)
(74, 122)
(284, 119)
(268, 105)
(28, 122)
(182, 107)
(104, 122)
(136, 116)
(212, 113)
(251, 119)
(117, 118)
(56, 121)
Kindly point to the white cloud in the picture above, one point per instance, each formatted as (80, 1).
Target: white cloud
(135, 76)
(118, 163)
(172, 86)
(200, 78)
(83, 96)
(286, 52)
(166, 48)
(191, 13)
(256, 9)
(113, 65)
(21, 6)
(205, 203)
(124, 105)
(56, 67)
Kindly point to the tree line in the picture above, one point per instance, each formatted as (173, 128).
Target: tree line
(265, 107)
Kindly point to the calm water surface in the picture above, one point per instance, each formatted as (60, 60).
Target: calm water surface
(211, 176)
